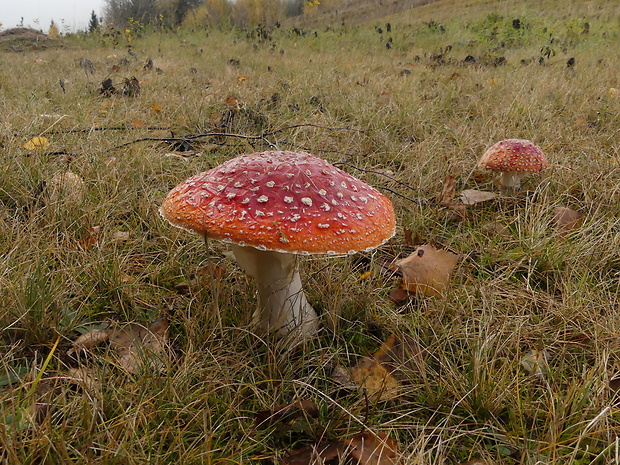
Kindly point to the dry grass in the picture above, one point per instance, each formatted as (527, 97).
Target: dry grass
(400, 111)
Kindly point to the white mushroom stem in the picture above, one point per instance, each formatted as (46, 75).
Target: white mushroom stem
(284, 309)
(509, 182)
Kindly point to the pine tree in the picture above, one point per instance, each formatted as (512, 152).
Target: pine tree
(94, 22)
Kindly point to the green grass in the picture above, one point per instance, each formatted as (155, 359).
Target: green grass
(344, 96)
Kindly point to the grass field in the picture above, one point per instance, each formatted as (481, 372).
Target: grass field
(514, 363)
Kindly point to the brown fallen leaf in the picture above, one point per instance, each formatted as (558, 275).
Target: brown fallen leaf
(366, 448)
(472, 196)
(566, 219)
(66, 189)
(457, 212)
(399, 295)
(89, 340)
(286, 413)
(448, 191)
(343, 377)
(135, 340)
(395, 353)
(120, 236)
(326, 453)
(369, 448)
(535, 362)
(85, 378)
(90, 239)
(427, 270)
(379, 384)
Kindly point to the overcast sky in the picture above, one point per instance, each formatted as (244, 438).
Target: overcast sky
(66, 14)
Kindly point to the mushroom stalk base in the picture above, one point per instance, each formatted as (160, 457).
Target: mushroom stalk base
(510, 182)
(284, 308)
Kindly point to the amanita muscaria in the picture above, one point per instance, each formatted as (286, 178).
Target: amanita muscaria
(272, 207)
(513, 159)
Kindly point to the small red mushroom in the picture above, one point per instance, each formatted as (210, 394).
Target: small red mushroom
(273, 206)
(513, 159)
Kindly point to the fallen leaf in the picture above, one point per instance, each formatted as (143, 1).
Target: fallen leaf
(343, 376)
(472, 196)
(156, 109)
(366, 448)
(369, 448)
(136, 123)
(566, 219)
(535, 362)
(66, 188)
(120, 236)
(242, 79)
(231, 102)
(399, 295)
(365, 275)
(385, 98)
(427, 270)
(379, 384)
(37, 143)
(286, 413)
(326, 453)
(448, 190)
(89, 340)
(494, 228)
(456, 212)
(85, 378)
(90, 239)
(395, 353)
(136, 343)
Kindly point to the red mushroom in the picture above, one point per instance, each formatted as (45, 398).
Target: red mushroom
(273, 206)
(513, 159)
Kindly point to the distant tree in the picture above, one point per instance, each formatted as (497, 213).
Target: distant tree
(182, 8)
(54, 33)
(118, 12)
(168, 12)
(214, 13)
(254, 12)
(94, 22)
(294, 7)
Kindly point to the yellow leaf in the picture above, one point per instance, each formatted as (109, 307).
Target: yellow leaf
(156, 109)
(378, 382)
(365, 275)
(37, 143)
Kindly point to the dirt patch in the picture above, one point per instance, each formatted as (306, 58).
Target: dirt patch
(21, 38)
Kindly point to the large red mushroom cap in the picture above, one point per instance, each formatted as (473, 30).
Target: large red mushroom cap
(514, 155)
(282, 201)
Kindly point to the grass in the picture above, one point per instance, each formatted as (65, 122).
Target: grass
(401, 119)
